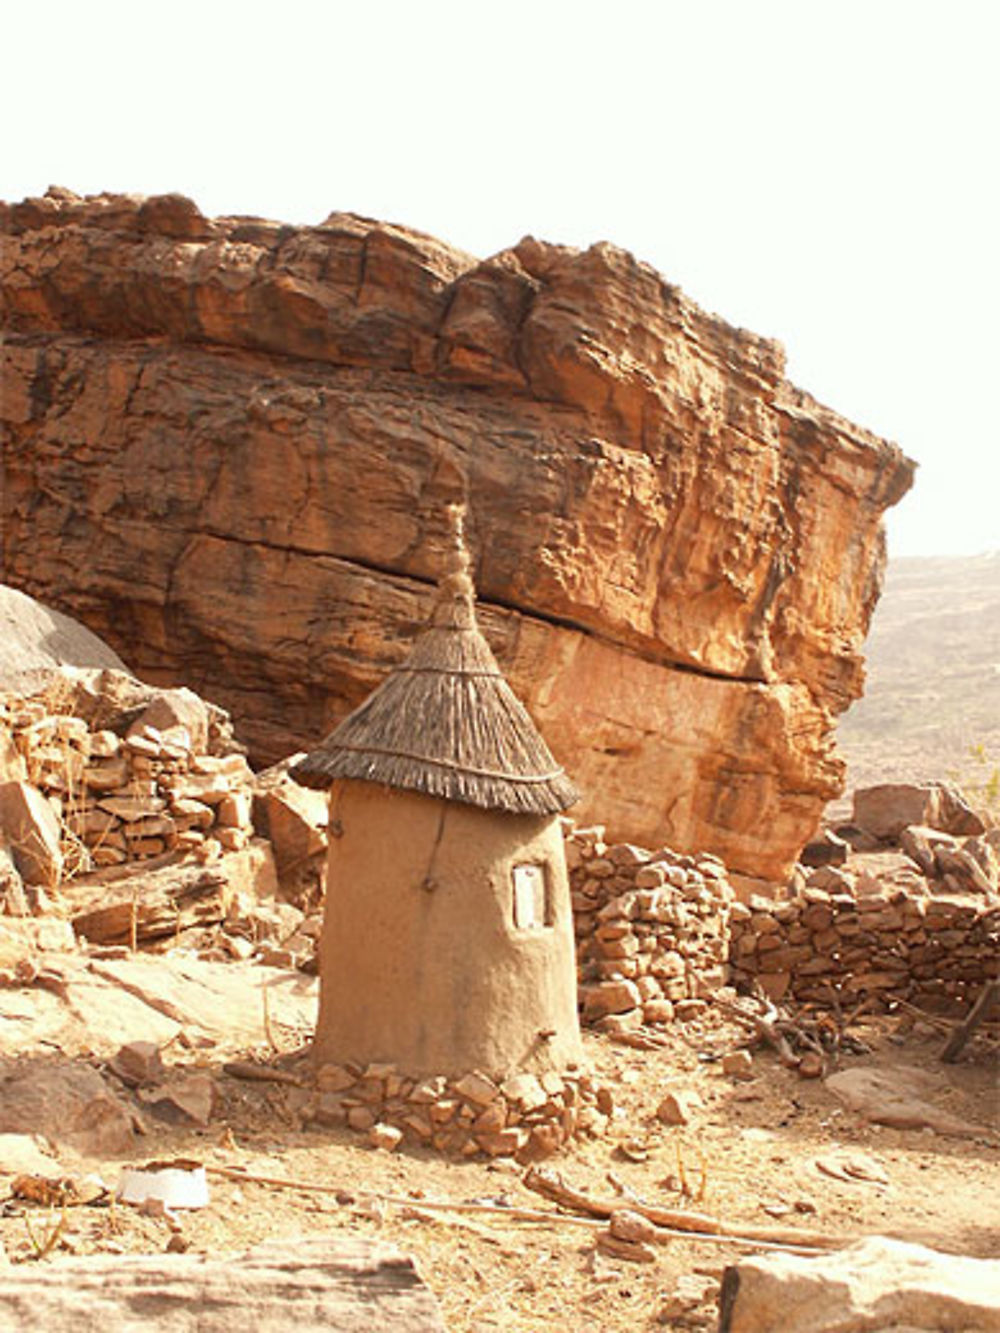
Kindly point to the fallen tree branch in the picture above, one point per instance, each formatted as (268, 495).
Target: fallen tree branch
(596, 1222)
(551, 1186)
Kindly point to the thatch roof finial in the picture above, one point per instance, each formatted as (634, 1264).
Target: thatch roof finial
(445, 722)
(455, 604)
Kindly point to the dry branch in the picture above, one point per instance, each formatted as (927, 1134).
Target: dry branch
(551, 1186)
(595, 1222)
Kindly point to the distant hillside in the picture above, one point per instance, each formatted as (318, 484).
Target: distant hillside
(933, 692)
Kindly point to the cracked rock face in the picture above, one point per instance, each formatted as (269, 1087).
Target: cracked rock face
(228, 444)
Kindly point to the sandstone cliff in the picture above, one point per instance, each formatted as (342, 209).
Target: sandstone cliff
(227, 444)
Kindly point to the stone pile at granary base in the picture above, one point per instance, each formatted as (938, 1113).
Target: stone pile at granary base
(652, 930)
(524, 1116)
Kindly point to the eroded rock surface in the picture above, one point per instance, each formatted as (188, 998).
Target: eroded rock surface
(227, 445)
(877, 1284)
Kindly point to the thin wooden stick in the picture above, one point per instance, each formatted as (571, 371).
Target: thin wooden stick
(989, 996)
(539, 1216)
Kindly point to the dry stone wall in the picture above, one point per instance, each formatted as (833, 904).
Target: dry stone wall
(81, 796)
(659, 932)
(890, 944)
(652, 930)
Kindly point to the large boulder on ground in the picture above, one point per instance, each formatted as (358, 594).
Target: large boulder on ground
(886, 810)
(68, 1103)
(878, 1284)
(35, 639)
(256, 429)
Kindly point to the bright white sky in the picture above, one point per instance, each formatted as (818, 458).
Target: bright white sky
(820, 171)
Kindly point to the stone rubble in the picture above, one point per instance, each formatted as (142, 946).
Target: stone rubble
(100, 775)
(524, 1116)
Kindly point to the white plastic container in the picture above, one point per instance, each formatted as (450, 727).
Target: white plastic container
(180, 1184)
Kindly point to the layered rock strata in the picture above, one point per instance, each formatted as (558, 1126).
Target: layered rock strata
(227, 446)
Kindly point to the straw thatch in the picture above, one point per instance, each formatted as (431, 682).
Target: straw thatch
(446, 723)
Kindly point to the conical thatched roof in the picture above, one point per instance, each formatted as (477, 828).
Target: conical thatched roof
(446, 723)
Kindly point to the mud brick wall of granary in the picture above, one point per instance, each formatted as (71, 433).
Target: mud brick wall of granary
(896, 944)
(652, 930)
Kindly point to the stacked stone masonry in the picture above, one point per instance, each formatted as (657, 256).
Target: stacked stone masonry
(88, 797)
(659, 932)
(891, 944)
(522, 1116)
(652, 930)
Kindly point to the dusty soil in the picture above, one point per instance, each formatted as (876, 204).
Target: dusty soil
(748, 1156)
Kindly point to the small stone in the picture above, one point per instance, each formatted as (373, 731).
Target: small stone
(543, 1141)
(476, 1088)
(609, 997)
(738, 1064)
(361, 1118)
(334, 1078)
(233, 811)
(137, 1063)
(658, 1011)
(812, 1065)
(492, 1120)
(429, 1090)
(192, 1099)
(525, 1090)
(387, 1137)
(504, 1143)
(143, 745)
(677, 1106)
(624, 1224)
(104, 745)
(615, 1025)
(688, 1009)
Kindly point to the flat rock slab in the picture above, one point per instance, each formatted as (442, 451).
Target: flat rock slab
(893, 1097)
(877, 1286)
(342, 1283)
(100, 1004)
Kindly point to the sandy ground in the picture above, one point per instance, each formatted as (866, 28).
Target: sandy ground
(749, 1155)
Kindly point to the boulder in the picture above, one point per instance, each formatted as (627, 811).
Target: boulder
(69, 1104)
(678, 551)
(678, 1106)
(176, 708)
(920, 843)
(294, 820)
(878, 1284)
(898, 1098)
(36, 640)
(829, 849)
(29, 827)
(884, 811)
